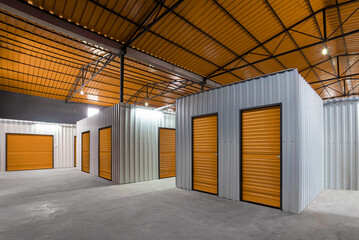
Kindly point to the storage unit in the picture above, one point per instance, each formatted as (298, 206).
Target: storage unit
(302, 141)
(261, 155)
(105, 153)
(341, 124)
(62, 134)
(167, 152)
(205, 161)
(134, 141)
(29, 152)
(85, 152)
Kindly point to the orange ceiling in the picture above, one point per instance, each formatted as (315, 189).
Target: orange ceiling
(226, 41)
(37, 61)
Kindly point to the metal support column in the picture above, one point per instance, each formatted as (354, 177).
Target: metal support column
(122, 76)
(203, 83)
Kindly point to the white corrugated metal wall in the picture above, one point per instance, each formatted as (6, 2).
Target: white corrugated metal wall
(341, 122)
(63, 139)
(281, 87)
(134, 141)
(311, 144)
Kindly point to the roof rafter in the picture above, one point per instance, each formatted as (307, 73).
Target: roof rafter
(249, 33)
(98, 65)
(214, 74)
(34, 14)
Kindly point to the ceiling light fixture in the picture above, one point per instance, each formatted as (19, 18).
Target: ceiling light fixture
(82, 92)
(146, 104)
(324, 51)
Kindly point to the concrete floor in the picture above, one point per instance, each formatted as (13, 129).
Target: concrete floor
(69, 204)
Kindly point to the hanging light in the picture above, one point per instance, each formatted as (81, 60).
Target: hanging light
(146, 104)
(82, 92)
(324, 51)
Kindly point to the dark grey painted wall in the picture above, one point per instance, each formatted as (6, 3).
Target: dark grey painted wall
(27, 107)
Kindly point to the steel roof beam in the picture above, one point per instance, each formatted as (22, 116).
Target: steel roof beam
(91, 69)
(291, 51)
(295, 43)
(210, 82)
(75, 53)
(142, 29)
(248, 32)
(324, 34)
(152, 86)
(335, 78)
(209, 36)
(40, 17)
(345, 48)
(277, 35)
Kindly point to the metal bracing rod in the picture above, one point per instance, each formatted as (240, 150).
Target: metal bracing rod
(340, 76)
(165, 89)
(249, 33)
(341, 23)
(279, 34)
(329, 84)
(160, 36)
(164, 107)
(347, 93)
(290, 51)
(207, 35)
(84, 71)
(111, 56)
(352, 89)
(169, 91)
(211, 37)
(306, 34)
(42, 43)
(334, 75)
(133, 36)
(88, 69)
(345, 45)
(146, 87)
(147, 27)
(291, 37)
(138, 33)
(319, 30)
(335, 78)
(348, 69)
(352, 94)
(325, 87)
(326, 60)
(103, 72)
(137, 81)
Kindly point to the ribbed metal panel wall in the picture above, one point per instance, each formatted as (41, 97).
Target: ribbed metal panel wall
(341, 122)
(281, 87)
(63, 139)
(134, 141)
(311, 144)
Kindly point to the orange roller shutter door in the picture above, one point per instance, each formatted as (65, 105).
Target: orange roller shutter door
(205, 160)
(261, 152)
(167, 152)
(28, 152)
(105, 153)
(85, 166)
